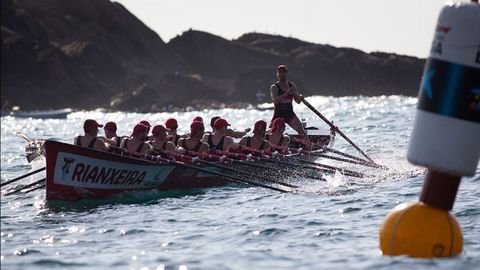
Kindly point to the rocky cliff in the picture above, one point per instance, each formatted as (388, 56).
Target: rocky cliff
(94, 53)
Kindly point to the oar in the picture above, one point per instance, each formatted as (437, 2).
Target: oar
(317, 167)
(21, 177)
(217, 165)
(324, 148)
(150, 158)
(27, 186)
(333, 168)
(335, 128)
(347, 160)
(226, 176)
(35, 188)
(249, 174)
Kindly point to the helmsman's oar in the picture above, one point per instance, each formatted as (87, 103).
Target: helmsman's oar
(21, 177)
(335, 128)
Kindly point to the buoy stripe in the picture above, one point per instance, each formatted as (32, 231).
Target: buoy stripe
(394, 229)
(452, 237)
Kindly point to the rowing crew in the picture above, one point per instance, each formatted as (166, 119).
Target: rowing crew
(166, 138)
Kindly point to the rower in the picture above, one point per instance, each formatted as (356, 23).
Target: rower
(136, 142)
(148, 125)
(172, 126)
(276, 136)
(282, 93)
(111, 137)
(90, 140)
(194, 141)
(197, 119)
(257, 141)
(218, 140)
(160, 140)
(230, 132)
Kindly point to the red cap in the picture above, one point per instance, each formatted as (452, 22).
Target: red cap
(196, 127)
(277, 124)
(171, 123)
(220, 123)
(282, 67)
(145, 123)
(213, 119)
(139, 129)
(90, 123)
(158, 128)
(198, 119)
(260, 125)
(110, 126)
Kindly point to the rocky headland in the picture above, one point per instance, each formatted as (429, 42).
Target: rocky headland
(87, 54)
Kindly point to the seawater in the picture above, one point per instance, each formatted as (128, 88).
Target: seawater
(331, 225)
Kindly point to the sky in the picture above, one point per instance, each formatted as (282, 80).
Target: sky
(404, 26)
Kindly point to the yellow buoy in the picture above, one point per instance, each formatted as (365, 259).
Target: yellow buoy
(419, 230)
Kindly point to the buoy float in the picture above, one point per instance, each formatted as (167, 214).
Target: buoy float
(419, 230)
(445, 138)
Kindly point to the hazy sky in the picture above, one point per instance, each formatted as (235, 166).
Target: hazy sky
(402, 26)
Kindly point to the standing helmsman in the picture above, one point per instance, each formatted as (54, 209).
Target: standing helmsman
(283, 93)
(90, 140)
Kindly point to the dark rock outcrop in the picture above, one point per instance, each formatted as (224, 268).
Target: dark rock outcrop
(94, 53)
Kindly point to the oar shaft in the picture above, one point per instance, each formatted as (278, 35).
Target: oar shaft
(247, 173)
(226, 176)
(333, 169)
(217, 165)
(347, 160)
(27, 186)
(336, 129)
(35, 188)
(22, 176)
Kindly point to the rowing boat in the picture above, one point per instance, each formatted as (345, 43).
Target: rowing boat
(73, 172)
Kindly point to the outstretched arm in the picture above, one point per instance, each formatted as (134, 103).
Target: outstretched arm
(298, 98)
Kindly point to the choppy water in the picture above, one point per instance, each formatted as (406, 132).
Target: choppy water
(327, 226)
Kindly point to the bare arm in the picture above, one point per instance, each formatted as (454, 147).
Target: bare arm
(235, 134)
(101, 145)
(267, 146)
(243, 141)
(205, 137)
(147, 148)
(274, 94)
(298, 98)
(286, 140)
(230, 144)
(203, 148)
(109, 141)
(170, 146)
